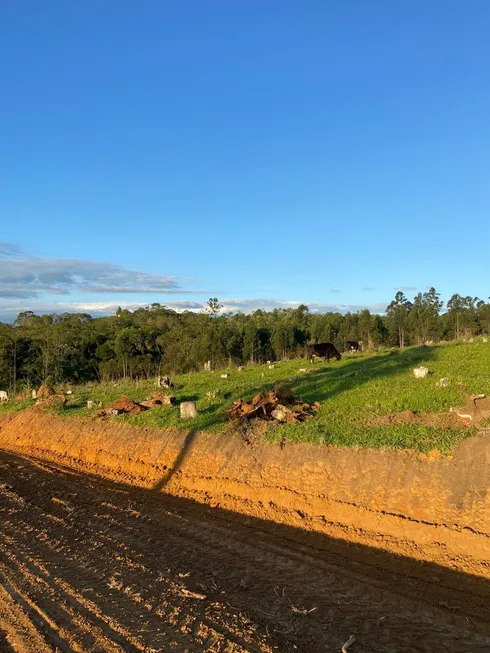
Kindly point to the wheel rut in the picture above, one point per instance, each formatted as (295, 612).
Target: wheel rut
(87, 564)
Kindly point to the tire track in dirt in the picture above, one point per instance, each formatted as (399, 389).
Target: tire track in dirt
(109, 568)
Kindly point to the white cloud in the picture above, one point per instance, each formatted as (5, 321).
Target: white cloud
(10, 310)
(249, 305)
(24, 276)
(44, 285)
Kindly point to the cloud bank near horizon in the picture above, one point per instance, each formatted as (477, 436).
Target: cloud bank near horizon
(9, 311)
(23, 276)
(55, 285)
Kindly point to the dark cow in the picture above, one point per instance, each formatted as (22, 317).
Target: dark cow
(352, 345)
(323, 350)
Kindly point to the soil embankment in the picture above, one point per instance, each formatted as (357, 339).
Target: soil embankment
(87, 564)
(428, 508)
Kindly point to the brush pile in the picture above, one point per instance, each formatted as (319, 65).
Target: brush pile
(278, 404)
(125, 405)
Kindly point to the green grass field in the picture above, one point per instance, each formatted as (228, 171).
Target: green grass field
(351, 391)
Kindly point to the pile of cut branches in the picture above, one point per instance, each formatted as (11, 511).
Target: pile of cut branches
(278, 404)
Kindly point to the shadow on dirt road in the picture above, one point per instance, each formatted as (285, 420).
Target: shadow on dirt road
(106, 566)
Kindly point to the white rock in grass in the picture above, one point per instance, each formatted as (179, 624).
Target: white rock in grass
(420, 372)
(442, 383)
(188, 409)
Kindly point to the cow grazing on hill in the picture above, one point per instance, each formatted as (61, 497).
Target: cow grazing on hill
(352, 345)
(323, 350)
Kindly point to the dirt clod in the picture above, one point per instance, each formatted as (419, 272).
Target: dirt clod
(45, 391)
(436, 420)
(476, 408)
(53, 401)
(125, 405)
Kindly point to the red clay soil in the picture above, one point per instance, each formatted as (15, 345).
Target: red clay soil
(50, 401)
(432, 508)
(437, 420)
(87, 564)
(475, 410)
(44, 391)
(408, 533)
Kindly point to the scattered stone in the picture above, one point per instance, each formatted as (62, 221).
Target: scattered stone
(283, 414)
(212, 394)
(4, 397)
(34, 394)
(271, 367)
(225, 376)
(69, 392)
(442, 383)
(188, 410)
(90, 403)
(269, 362)
(115, 411)
(303, 369)
(240, 369)
(420, 372)
(484, 339)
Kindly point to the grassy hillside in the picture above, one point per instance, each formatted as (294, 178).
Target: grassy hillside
(352, 392)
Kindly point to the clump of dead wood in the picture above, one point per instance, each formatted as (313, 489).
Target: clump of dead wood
(278, 404)
(125, 405)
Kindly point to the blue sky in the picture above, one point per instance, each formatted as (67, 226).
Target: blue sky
(262, 152)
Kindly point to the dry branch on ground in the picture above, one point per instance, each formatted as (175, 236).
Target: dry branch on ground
(278, 404)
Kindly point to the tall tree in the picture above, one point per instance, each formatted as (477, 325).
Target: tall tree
(398, 312)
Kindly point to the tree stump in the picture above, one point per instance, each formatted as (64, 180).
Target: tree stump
(188, 410)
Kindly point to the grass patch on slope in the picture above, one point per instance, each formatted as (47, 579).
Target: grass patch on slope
(351, 392)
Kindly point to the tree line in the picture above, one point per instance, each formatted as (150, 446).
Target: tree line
(76, 348)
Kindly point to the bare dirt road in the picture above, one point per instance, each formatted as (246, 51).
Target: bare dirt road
(91, 565)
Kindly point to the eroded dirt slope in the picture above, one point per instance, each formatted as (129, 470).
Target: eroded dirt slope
(88, 564)
(430, 508)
